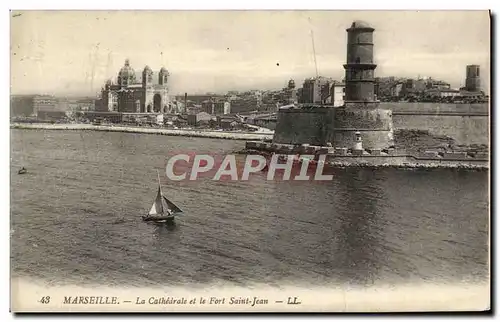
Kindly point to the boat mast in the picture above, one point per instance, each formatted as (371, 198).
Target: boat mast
(159, 184)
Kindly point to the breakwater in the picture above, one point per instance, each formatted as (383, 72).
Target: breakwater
(158, 131)
(378, 158)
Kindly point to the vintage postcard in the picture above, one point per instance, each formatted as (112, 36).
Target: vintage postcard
(250, 161)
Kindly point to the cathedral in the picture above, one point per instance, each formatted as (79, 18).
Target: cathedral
(129, 95)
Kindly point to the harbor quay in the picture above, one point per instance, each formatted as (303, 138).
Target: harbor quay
(159, 131)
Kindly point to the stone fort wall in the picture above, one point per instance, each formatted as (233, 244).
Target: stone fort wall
(465, 123)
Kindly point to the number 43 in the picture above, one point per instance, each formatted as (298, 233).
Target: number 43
(45, 300)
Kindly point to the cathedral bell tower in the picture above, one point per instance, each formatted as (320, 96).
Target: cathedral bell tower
(163, 76)
(147, 77)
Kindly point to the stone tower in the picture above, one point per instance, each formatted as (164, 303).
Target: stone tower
(163, 76)
(472, 78)
(361, 111)
(147, 77)
(360, 69)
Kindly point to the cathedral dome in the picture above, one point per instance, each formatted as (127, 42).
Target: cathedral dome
(127, 72)
(147, 69)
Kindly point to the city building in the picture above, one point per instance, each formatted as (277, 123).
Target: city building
(431, 83)
(192, 100)
(226, 122)
(216, 106)
(108, 117)
(31, 105)
(300, 94)
(396, 90)
(272, 100)
(44, 103)
(384, 86)
(130, 95)
(316, 90)
(267, 121)
(413, 87)
(436, 92)
(246, 102)
(199, 119)
(289, 94)
(22, 105)
(337, 94)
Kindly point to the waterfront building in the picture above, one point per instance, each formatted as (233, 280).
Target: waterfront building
(199, 119)
(32, 105)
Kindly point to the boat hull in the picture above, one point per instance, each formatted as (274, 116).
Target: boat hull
(158, 218)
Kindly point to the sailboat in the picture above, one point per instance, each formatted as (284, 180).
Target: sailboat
(162, 210)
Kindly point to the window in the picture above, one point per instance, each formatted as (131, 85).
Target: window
(358, 60)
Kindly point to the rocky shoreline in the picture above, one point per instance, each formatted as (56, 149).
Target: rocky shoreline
(411, 166)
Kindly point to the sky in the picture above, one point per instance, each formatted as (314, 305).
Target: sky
(54, 52)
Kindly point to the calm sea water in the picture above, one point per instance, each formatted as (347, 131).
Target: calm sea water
(75, 218)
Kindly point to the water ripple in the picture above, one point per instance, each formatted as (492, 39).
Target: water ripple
(76, 218)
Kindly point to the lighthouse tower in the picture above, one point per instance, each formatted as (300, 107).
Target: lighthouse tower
(361, 117)
(360, 69)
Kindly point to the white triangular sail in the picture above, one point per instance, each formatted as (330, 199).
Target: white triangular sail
(157, 207)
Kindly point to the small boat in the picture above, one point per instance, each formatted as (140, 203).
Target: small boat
(162, 210)
(22, 171)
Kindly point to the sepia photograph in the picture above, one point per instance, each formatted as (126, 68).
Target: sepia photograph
(250, 161)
